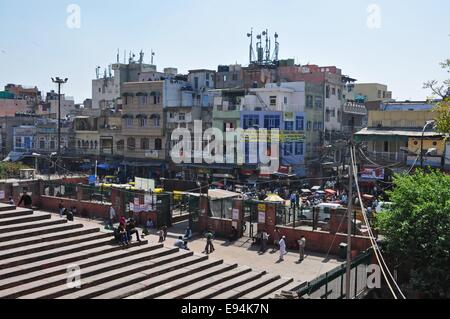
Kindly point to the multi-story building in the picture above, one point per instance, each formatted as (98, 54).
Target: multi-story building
(229, 77)
(7, 125)
(396, 133)
(279, 106)
(19, 99)
(24, 139)
(46, 139)
(50, 107)
(143, 128)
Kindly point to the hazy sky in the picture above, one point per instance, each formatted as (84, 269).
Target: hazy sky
(412, 38)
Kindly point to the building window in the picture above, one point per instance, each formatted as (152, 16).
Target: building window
(128, 122)
(379, 94)
(142, 100)
(339, 94)
(79, 145)
(289, 126)
(52, 144)
(92, 145)
(327, 115)
(42, 144)
(333, 91)
(224, 78)
(271, 121)
(319, 102)
(95, 145)
(300, 123)
(308, 126)
(158, 144)
(120, 145)
(196, 83)
(145, 144)
(309, 101)
(333, 113)
(328, 91)
(131, 144)
(273, 101)
(182, 117)
(384, 94)
(249, 121)
(143, 122)
(285, 100)
(299, 148)
(234, 77)
(288, 149)
(156, 121)
(386, 146)
(315, 126)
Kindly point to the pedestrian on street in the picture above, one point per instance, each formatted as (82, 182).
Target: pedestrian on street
(161, 235)
(112, 216)
(165, 230)
(302, 246)
(209, 244)
(282, 248)
(276, 240)
(264, 239)
(61, 209)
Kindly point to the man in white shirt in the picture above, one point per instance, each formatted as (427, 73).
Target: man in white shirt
(112, 216)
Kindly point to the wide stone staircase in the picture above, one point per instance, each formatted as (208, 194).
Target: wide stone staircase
(39, 250)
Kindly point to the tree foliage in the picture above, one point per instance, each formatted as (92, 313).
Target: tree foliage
(10, 170)
(417, 230)
(442, 108)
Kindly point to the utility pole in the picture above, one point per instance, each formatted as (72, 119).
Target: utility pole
(349, 220)
(60, 82)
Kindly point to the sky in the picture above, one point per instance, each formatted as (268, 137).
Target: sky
(395, 42)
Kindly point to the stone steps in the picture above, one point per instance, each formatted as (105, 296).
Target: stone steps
(17, 212)
(186, 280)
(154, 277)
(241, 290)
(267, 290)
(37, 249)
(62, 269)
(227, 285)
(34, 229)
(42, 247)
(57, 284)
(17, 243)
(95, 281)
(293, 286)
(23, 219)
(204, 284)
(6, 207)
(22, 260)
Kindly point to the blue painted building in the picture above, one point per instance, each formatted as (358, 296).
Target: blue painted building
(292, 137)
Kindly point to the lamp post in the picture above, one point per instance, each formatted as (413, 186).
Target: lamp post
(60, 82)
(428, 123)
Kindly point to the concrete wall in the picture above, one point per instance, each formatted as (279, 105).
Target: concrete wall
(11, 107)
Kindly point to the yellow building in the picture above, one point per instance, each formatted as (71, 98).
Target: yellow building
(373, 92)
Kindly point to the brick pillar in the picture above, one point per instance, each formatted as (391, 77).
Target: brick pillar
(271, 221)
(239, 206)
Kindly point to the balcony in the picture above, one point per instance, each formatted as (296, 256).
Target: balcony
(352, 107)
(399, 157)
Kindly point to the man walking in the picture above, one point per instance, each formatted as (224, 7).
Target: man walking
(282, 248)
(302, 246)
(209, 244)
(276, 240)
(112, 216)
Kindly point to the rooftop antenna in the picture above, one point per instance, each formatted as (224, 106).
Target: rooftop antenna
(124, 56)
(153, 54)
(266, 34)
(141, 57)
(110, 70)
(259, 49)
(251, 52)
(118, 55)
(97, 72)
(277, 48)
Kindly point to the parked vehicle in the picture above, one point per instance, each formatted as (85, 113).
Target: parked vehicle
(323, 209)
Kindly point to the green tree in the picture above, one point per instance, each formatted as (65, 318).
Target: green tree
(11, 170)
(417, 230)
(442, 109)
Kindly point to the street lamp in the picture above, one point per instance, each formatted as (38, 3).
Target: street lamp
(428, 123)
(60, 82)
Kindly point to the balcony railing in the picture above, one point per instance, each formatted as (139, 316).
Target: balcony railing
(388, 156)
